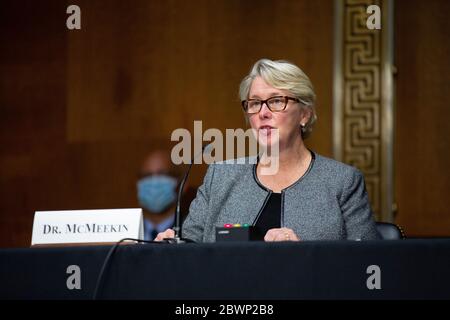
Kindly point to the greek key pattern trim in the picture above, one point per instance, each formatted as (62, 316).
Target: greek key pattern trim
(361, 142)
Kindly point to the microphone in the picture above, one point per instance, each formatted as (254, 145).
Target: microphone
(177, 224)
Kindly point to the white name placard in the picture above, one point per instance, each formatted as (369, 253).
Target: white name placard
(86, 226)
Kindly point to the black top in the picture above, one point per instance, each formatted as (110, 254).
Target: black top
(270, 217)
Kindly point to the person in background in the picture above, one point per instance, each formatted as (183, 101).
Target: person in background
(157, 192)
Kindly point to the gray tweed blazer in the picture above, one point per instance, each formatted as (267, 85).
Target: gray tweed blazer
(329, 202)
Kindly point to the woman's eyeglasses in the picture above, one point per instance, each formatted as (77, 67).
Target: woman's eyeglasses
(275, 104)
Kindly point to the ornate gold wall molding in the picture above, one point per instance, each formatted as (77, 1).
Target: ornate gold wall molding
(363, 98)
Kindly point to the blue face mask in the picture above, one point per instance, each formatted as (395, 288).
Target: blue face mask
(156, 193)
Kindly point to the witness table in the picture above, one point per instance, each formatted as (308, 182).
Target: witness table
(404, 269)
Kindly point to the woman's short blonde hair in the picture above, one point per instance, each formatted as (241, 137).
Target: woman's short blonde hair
(284, 75)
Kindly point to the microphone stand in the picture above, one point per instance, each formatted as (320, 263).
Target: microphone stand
(177, 239)
(177, 225)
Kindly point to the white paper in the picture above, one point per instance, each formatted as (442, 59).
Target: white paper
(86, 226)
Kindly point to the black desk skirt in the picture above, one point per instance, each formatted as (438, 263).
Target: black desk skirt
(409, 269)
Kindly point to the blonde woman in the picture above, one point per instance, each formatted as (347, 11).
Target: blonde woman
(309, 197)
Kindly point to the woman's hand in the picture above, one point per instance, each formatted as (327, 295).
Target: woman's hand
(281, 234)
(169, 233)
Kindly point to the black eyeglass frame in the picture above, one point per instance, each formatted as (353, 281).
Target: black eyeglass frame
(244, 103)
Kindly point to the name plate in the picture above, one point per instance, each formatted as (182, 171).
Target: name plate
(86, 226)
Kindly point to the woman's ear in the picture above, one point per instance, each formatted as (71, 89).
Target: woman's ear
(305, 115)
(303, 127)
